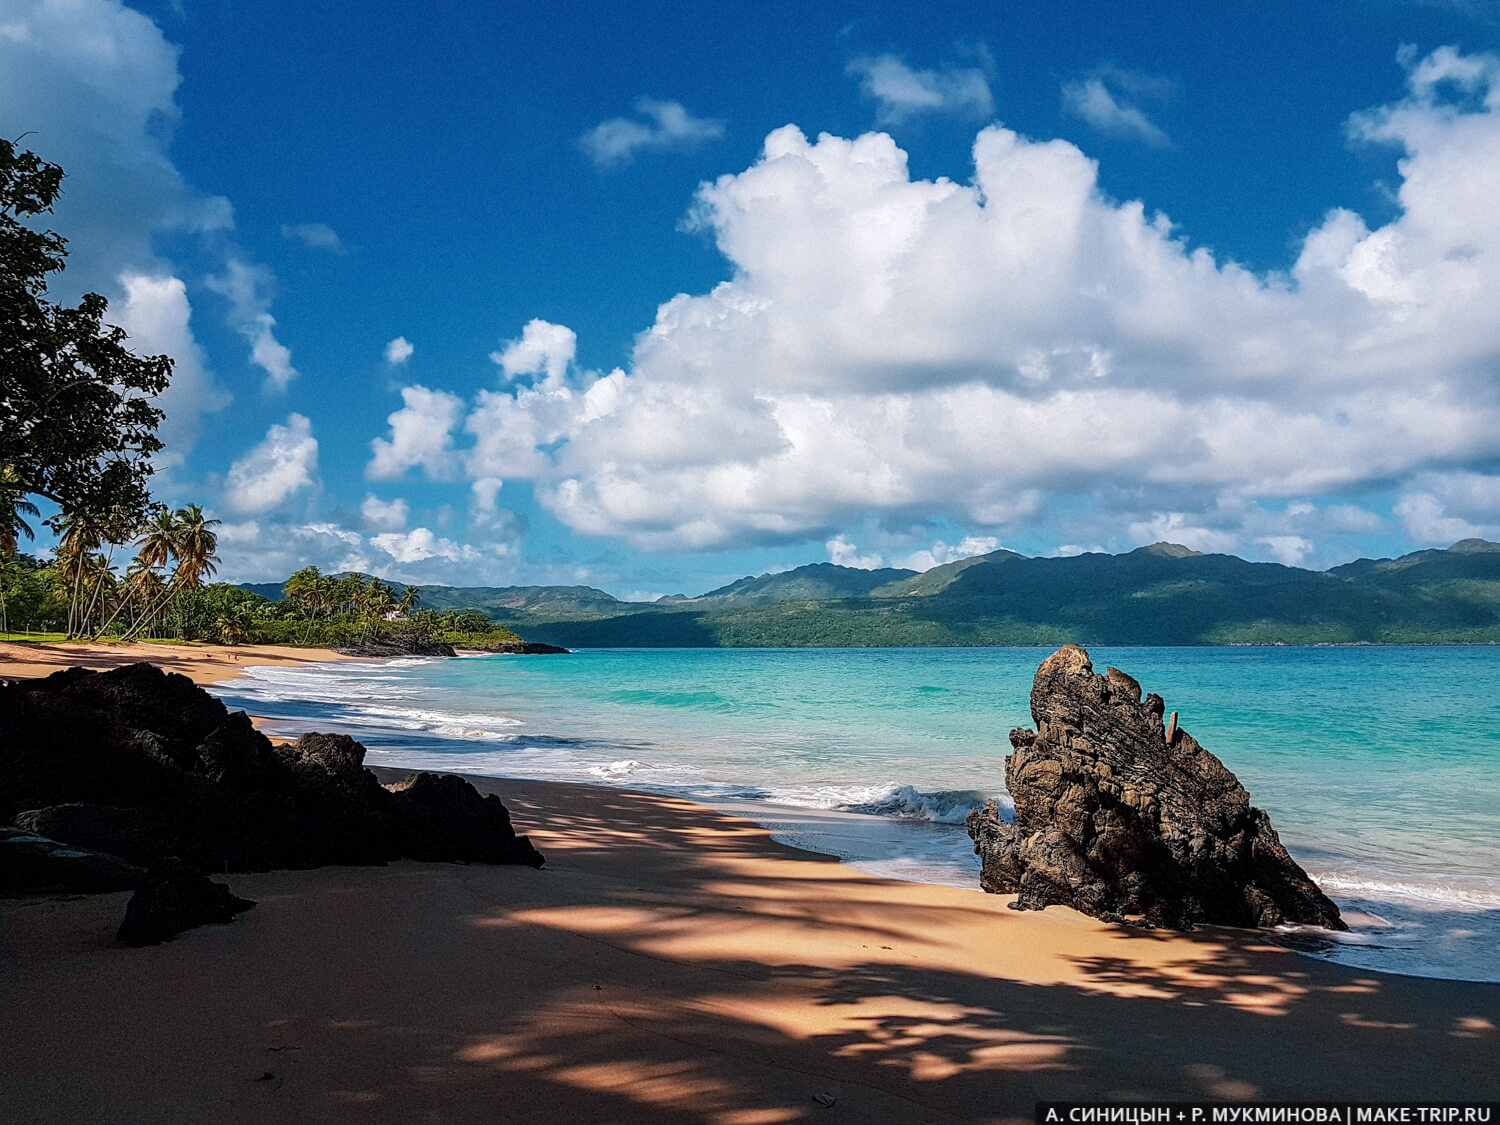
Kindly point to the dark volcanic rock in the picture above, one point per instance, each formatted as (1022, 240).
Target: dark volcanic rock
(32, 864)
(147, 766)
(173, 898)
(460, 823)
(139, 834)
(529, 648)
(1124, 817)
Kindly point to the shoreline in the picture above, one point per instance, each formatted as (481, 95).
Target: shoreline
(204, 664)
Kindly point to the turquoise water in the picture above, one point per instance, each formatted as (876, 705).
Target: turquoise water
(1379, 766)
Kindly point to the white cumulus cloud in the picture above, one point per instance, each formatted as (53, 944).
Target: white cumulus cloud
(1021, 351)
(283, 464)
(384, 515)
(94, 84)
(663, 126)
(842, 552)
(421, 435)
(940, 553)
(398, 351)
(156, 314)
(544, 349)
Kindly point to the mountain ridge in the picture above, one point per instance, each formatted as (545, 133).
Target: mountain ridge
(1162, 593)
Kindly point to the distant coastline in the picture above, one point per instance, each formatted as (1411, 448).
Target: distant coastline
(1164, 594)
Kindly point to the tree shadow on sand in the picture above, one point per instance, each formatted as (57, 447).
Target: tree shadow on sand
(711, 994)
(673, 965)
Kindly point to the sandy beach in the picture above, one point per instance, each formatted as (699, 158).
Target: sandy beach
(201, 663)
(675, 964)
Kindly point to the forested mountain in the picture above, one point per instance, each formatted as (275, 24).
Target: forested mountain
(1161, 594)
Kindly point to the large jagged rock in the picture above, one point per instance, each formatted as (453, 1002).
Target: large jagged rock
(1125, 817)
(146, 766)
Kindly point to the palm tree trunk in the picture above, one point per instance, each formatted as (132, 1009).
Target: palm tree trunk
(99, 587)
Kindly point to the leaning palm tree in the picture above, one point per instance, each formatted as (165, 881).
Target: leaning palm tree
(115, 527)
(78, 537)
(188, 536)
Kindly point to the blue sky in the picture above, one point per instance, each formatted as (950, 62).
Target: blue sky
(684, 292)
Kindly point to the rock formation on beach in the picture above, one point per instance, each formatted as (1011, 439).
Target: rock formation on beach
(148, 780)
(1123, 816)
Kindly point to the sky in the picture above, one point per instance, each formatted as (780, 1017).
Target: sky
(650, 297)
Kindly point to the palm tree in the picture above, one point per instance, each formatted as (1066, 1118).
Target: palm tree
(13, 505)
(78, 536)
(196, 543)
(115, 527)
(157, 539)
(187, 536)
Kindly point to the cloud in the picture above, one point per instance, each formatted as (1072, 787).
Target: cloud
(315, 236)
(1021, 352)
(384, 515)
(421, 435)
(398, 351)
(1289, 550)
(94, 84)
(902, 93)
(247, 289)
(940, 553)
(283, 464)
(668, 127)
(841, 552)
(543, 348)
(267, 548)
(486, 516)
(421, 544)
(1440, 508)
(1107, 97)
(156, 314)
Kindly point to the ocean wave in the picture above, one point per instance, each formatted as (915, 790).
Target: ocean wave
(615, 770)
(905, 802)
(1436, 892)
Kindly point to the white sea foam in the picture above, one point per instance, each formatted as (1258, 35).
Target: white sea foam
(905, 802)
(1435, 893)
(613, 771)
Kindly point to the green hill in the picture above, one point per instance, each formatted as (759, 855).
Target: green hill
(811, 583)
(1161, 594)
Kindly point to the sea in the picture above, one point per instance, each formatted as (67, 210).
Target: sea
(1379, 765)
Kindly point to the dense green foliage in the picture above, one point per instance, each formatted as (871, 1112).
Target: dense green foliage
(338, 612)
(77, 423)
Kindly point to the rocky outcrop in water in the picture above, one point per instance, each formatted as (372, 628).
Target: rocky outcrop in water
(1124, 816)
(146, 767)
